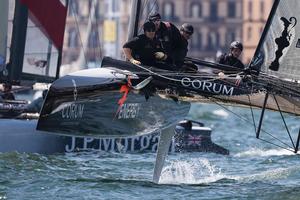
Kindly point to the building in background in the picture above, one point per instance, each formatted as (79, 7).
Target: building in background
(216, 23)
(255, 14)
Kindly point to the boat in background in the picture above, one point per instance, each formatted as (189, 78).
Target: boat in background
(35, 47)
(32, 45)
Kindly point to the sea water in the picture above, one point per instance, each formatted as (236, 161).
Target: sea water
(254, 169)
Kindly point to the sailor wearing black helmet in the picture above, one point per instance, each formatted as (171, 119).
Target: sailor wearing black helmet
(167, 34)
(142, 49)
(181, 49)
(232, 58)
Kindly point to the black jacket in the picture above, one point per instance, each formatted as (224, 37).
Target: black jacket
(168, 35)
(229, 59)
(143, 49)
(180, 51)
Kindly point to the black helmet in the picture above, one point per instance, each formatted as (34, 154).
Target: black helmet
(236, 45)
(188, 28)
(149, 26)
(154, 16)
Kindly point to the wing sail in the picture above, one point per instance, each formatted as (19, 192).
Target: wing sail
(278, 53)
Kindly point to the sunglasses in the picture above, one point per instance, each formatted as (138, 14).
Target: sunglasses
(155, 20)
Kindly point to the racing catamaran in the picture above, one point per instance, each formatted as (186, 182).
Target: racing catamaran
(121, 99)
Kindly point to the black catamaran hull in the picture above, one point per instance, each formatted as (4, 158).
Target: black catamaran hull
(113, 101)
(88, 103)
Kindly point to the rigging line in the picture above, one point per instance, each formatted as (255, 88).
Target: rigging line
(199, 75)
(157, 74)
(278, 88)
(77, 26)
(176, 74)
(246, 120)
(92, 5)
(180, 80)
(177, 80)
(276, 145)
(287, 129)
(141, 12)
(150, 10)
(98, 45)
(277, 82)
(252, 114)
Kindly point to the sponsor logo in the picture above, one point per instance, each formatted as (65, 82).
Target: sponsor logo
(207, 86)
(129, 111)
(122, 145)
(74, 110)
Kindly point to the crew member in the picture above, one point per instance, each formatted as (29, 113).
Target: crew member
(167, 34)
(7, 93)
(142, 49)
(232, 58)
(180, 52)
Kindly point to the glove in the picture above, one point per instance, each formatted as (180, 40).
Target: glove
(160, 56)
(221, 75)
(135, 62)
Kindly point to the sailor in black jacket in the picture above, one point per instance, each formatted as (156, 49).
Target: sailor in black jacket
(142, 49)
(181, 48)
(168, 35)
(231, 59)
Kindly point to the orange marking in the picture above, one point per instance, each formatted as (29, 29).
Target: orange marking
(126, 89)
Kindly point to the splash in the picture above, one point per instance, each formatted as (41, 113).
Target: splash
(268, 175)
(264, 153)
(221, 113)
(195, 171)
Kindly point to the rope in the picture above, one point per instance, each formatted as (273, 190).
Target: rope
(241, 117)
(252, 114)
(77, 26)
(288, 131)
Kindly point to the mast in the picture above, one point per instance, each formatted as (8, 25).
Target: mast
(3, 33)
(17, 42)
(60, 52)
(134, 19)
(252, 64)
